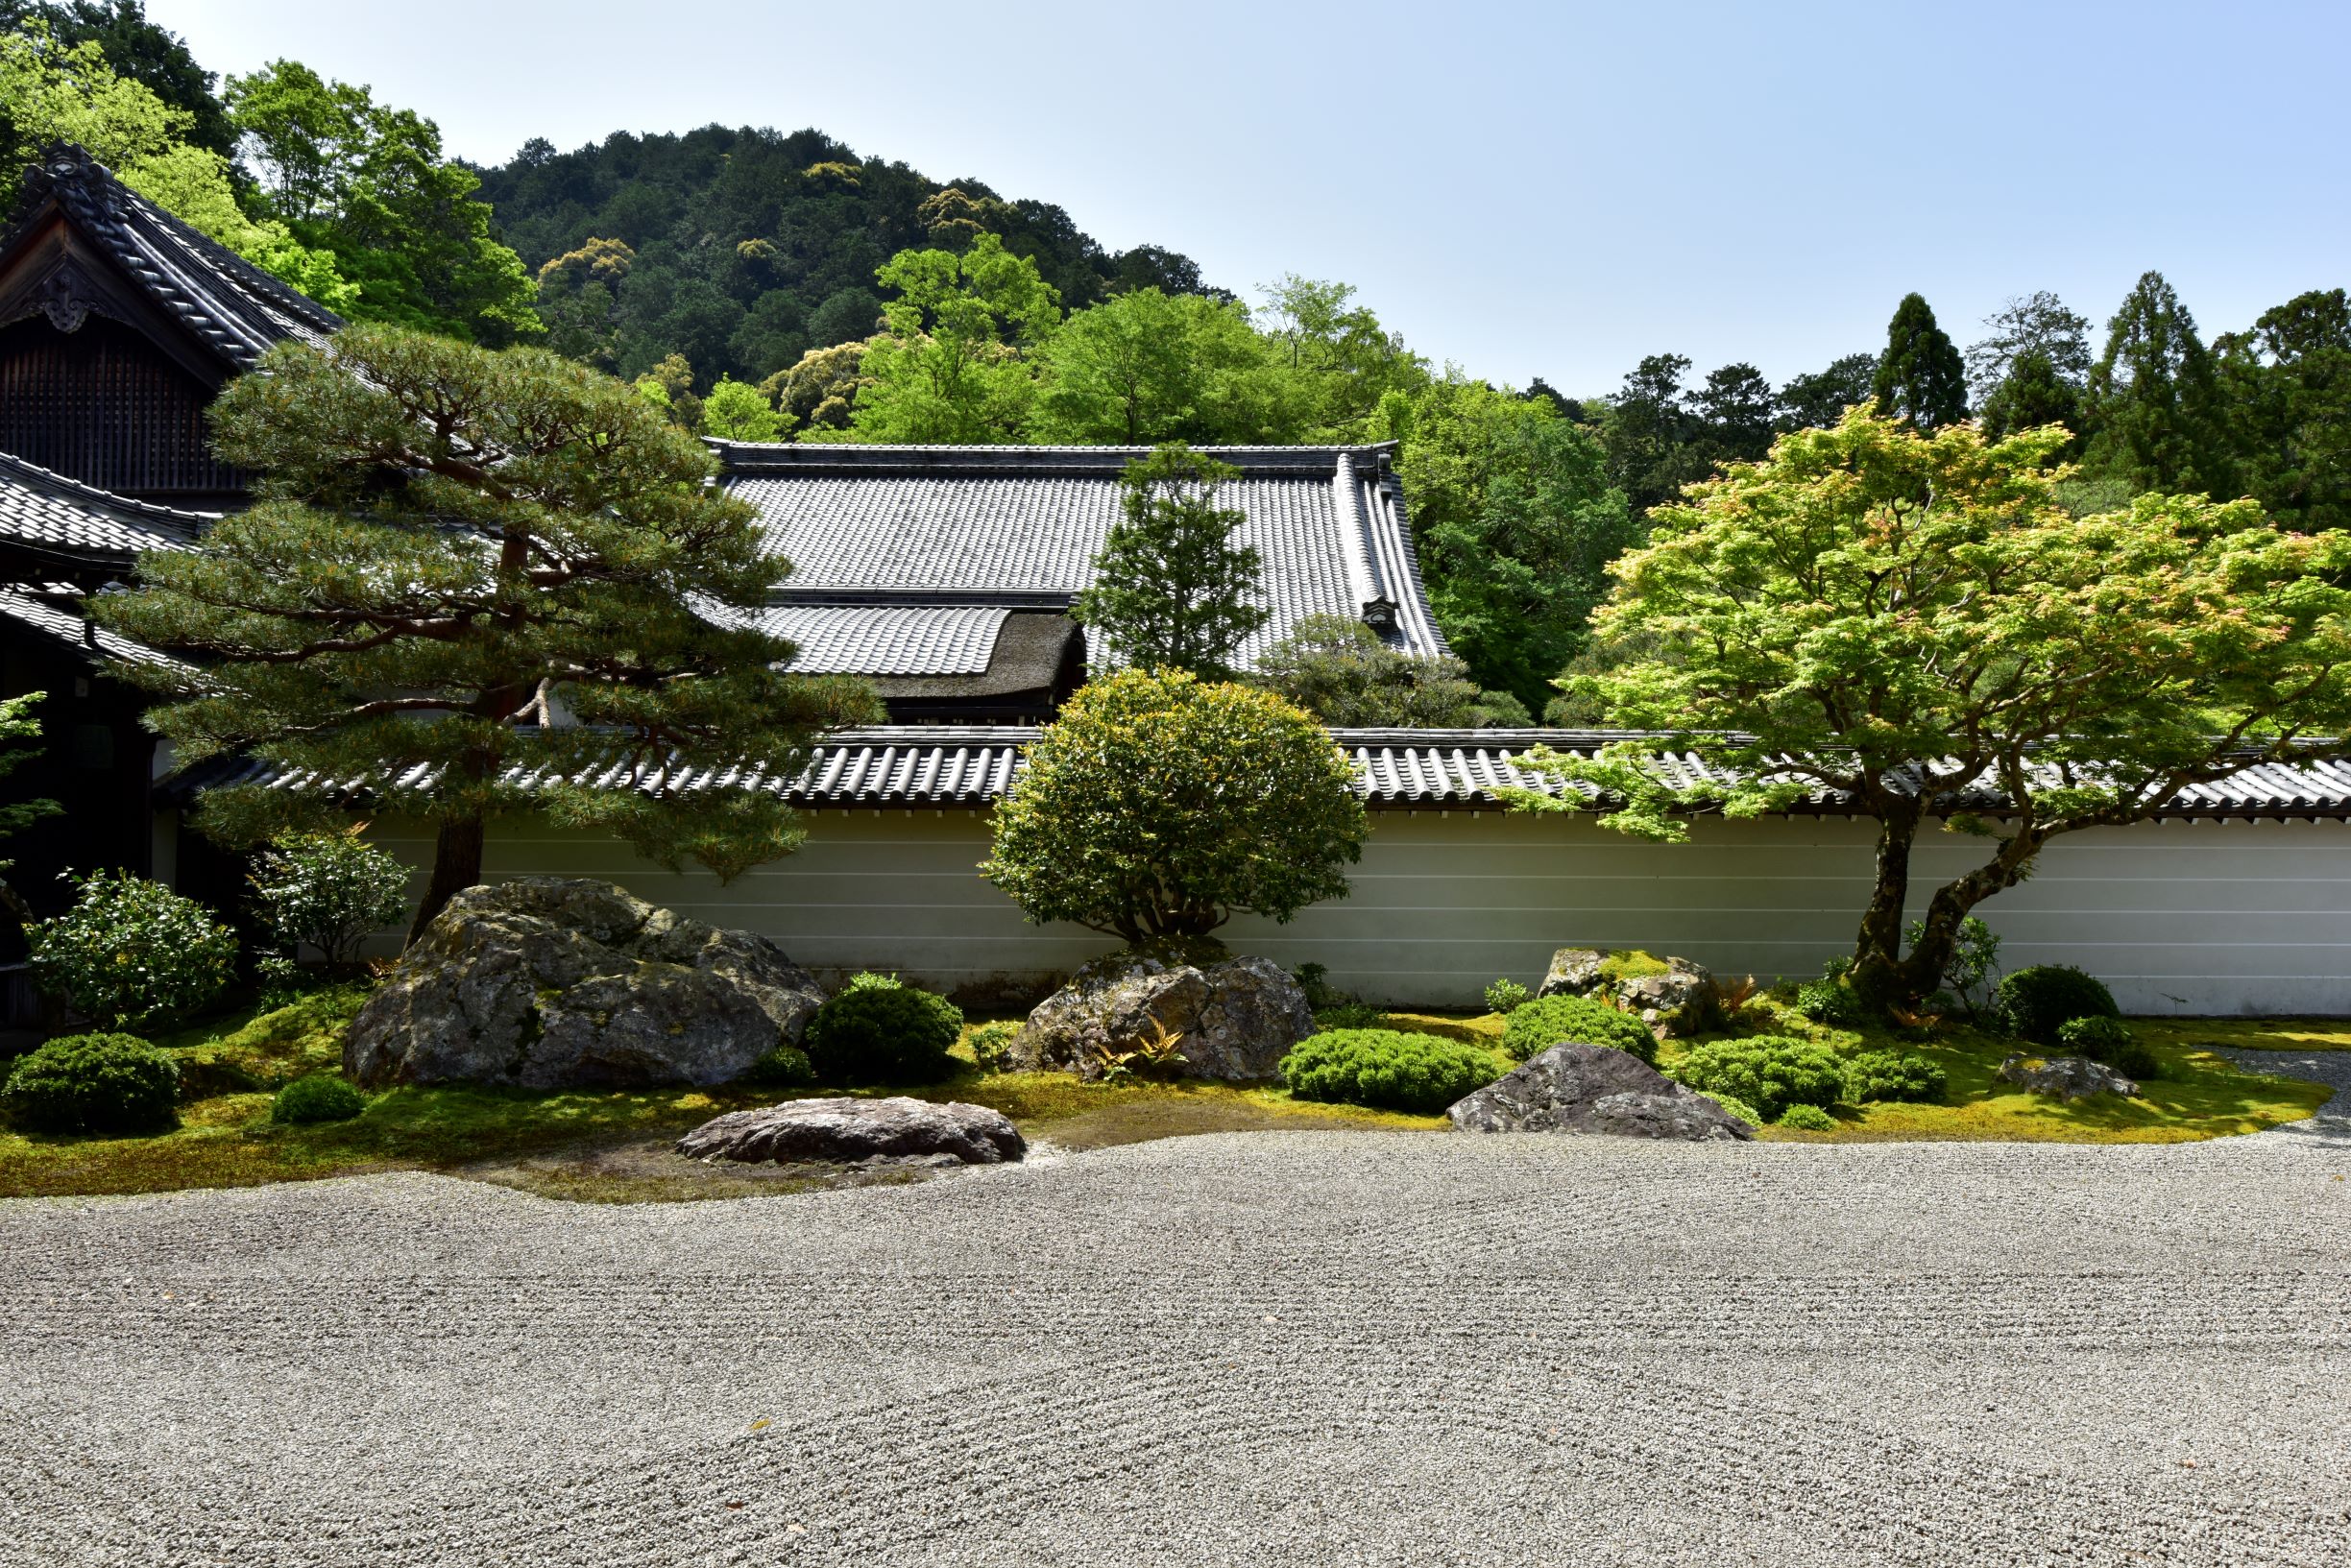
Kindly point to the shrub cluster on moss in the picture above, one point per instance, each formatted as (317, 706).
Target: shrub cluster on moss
(1506, 997)
(1833, 1002)
(2039, 1001)
(879, 1031)
(319, 1097)
(1387, 1069)
(132, 951)
(1804, 1118)
(1546, 1021)
(991, 1045)
(785, 1067)
(2108, 1040)
(1893, 1074)
(1739, 1108)
(94, 1083)
(1769, 1072)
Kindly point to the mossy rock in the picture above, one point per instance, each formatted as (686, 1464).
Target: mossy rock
(1631, 964)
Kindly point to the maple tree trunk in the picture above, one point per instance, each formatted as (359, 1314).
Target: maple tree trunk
(457, 862)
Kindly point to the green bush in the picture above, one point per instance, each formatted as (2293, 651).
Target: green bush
(1769, 1072)
(1506, 997)
(328, 890)
(1546, 1021)
(94, 1083)
(1349, 1015)
(2109, 1040)
(1832, 1002)
(787, 1066)
(132, 951)
(1387, 1068)
(879, 1031)
(1808, 1118)
(1739, 1108)
(319, 1097)
(991, 1045)
(2039, 1001)
(1893, 1074)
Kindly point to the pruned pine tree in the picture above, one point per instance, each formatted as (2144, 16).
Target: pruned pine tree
(467, 568)
(1171, 587)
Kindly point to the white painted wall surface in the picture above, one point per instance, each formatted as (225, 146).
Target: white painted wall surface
(2178, 918)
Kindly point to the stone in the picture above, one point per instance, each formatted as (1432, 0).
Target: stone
(1580, 1088)
(1684, 1000)
(844, 1129)
(1233, 1019)
(2065, 1078)
(1574, 972)
(559, 982)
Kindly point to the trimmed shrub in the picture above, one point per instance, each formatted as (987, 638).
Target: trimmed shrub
(2109, 1040)
(879, 1031)
(1832, 1003)
(132, 951)
(787, 1066)
(94, 1083)
(1769, 1072)
(1893, 1074)
(1349, 1015)
(1546, 1021)
(1506, 997)
(1739, 1108)
(1387, 1069)
(991, 1045)
(1808, 1118)
(2039, 1001)
(318, 1097)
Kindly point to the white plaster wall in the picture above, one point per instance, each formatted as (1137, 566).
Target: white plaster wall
(2185, 918)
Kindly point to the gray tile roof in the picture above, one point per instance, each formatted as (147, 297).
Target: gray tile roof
(48, 516)
(975, 520)
(231, 306)
(888, 640)
(57, 624)
(922, 765)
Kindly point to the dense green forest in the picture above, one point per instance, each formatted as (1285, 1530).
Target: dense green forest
(769, 287)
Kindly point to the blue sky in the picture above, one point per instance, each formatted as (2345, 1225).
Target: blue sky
(1524, 189)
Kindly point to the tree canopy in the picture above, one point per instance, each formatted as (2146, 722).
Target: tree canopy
(1172, 589)
(1921, 376)
(466, 561)
(1910, 622)
(1341, 672)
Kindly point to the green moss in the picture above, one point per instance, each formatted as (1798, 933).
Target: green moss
(1631, 964)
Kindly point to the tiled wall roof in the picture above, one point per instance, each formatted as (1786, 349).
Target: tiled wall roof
(47, 514)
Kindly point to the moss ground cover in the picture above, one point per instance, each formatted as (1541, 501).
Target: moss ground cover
(607, 1145)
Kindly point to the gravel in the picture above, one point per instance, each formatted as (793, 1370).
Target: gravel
(1286, 1348)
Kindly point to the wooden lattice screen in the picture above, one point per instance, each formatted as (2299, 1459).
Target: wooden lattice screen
(103, 405)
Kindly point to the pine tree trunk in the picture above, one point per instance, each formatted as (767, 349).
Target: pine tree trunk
(457, 862)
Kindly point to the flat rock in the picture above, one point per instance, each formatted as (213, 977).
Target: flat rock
(2065, 1078)
(1233, 1020)
(845, 1129)
(1580, 1088)
(558, 982)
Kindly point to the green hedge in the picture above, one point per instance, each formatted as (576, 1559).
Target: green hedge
(2042, 1000)
(1893, 1074)
(1387, 1069)
(879, 1031)
(94, 1083)
(1538, 1026)
(1769, 1072)
(319, 1097)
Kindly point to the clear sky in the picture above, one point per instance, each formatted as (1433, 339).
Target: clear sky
(1527, 190)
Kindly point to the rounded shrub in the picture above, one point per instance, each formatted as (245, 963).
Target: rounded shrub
(785, 1067)
(1893, 1074)
(1832, 1003)
(1769, 1072)
(130, 952)
(319, 1097)
(991, 1045)
(2039, 1001)
(1739, 1108)
(2108, 1040)
(879, 1031)
(1808, 1118)
(1538, 1026)
(1387, 1069)
(94, 1083)
(1506, 997)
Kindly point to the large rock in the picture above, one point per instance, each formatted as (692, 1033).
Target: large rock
(1236, 1018)
(846, 1129)
(1684, 1000)
(556, 982)
(1594, 1089)
(2065, 1078)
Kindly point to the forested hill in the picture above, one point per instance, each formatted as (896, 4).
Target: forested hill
(750, 247)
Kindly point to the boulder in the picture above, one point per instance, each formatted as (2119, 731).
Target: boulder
(1594, 1089)
(1684, 1000)
(1233, 1019)
(2065, 1078)
(841, 1128)
(557, 982)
